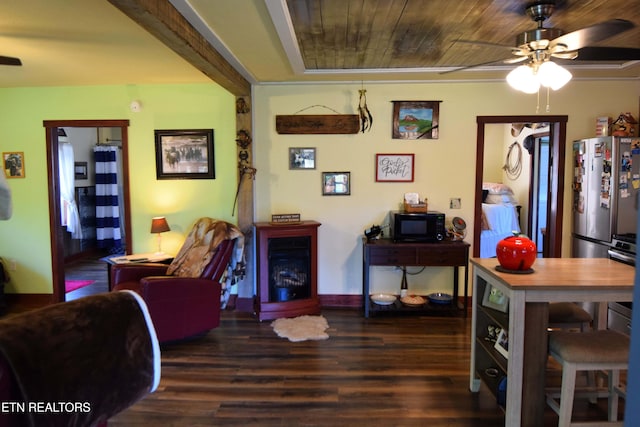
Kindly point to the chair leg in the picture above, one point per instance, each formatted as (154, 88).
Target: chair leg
(566, 394)
(592, 384)
(614, 381)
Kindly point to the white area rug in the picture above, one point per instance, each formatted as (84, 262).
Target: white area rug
(301, 328)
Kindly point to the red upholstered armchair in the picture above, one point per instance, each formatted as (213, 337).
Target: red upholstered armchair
(183, 307)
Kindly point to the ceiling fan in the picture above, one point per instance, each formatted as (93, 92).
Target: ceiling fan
(8, 60)
(542, 44)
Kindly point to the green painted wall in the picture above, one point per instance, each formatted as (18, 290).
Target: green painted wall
(25, 237)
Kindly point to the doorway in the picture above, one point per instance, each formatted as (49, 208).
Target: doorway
(53, 167)
(554, 208)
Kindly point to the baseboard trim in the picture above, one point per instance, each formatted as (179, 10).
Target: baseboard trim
(22, 302)
(340, 301)
(326, 301)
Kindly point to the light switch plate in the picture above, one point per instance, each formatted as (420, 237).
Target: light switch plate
(455, 203)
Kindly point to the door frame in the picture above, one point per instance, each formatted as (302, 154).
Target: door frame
(534, 184)
(53, 168)
(558, 139)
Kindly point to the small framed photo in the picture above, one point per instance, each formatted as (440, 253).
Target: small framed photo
(80, 170)
(494, 298)
(394, 167)
(302, 158)
(13, 164)
(336, 183)
(502, 343)
(185, 154)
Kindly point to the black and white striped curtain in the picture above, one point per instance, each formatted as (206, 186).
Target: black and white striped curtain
(108, 232)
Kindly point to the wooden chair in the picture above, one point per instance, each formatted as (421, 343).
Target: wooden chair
(589, 351)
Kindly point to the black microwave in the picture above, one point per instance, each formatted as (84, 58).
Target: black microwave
(417, 226)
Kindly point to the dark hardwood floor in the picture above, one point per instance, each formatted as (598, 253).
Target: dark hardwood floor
(403, 370)
(87, 269)
(382, 371)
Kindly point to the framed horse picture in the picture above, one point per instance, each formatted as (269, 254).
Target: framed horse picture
(185, 154)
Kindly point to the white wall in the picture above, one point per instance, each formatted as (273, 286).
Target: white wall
(444, 167)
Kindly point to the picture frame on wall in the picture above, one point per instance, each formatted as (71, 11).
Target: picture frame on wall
(395, 167)
(302, 158)
(416, 119)
(80, 170)
(185, 154)
(336, 183)
(13, 164)
(494, 298)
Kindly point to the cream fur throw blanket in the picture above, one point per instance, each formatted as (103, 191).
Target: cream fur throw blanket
(301, 328)
(201, 245)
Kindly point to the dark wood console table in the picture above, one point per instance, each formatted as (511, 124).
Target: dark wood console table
(440, 254)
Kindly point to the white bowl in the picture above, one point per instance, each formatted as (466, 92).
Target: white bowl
(383, 299)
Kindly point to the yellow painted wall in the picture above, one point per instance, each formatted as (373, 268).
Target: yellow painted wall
(25, 237)
(444, 167)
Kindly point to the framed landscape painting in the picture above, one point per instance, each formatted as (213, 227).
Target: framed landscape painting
(416, 119)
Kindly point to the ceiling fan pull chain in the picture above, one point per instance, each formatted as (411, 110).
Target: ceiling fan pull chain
(538, 102)
(548, 107)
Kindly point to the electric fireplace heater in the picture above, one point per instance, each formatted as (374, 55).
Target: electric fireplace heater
(286, 258)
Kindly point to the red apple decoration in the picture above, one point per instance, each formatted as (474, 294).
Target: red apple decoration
(516, 253)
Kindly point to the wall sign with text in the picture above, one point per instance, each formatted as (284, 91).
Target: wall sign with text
(394, 167)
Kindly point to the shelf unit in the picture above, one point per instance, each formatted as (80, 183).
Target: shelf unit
(385, 252)
(486, 354)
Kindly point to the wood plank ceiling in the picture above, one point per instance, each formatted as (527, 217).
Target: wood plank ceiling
(374, 34)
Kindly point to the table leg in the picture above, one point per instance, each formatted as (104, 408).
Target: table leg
(456, 279)
(109, 276)
(535, 362)
(466, 289)
(365, 288)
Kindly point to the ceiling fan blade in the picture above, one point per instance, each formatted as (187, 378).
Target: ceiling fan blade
(592, 34)
(515, 60)
(500, 61)
(608, 54)
(481, 43)
(7, 60)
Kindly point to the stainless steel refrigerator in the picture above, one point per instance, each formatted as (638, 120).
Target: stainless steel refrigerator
(606, 178)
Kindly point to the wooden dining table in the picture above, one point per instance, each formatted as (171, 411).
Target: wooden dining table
(596, 280)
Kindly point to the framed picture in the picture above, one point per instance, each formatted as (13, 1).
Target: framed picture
(185, 154)
(302, 158)
(416, 119)
(336, 183)
(13, 164)
(494, 298)
(394, 167)
(502, 343)
(80, 170)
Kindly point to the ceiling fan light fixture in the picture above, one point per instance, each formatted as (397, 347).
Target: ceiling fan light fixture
(528, 78)
(553, 75)
(523, 78)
